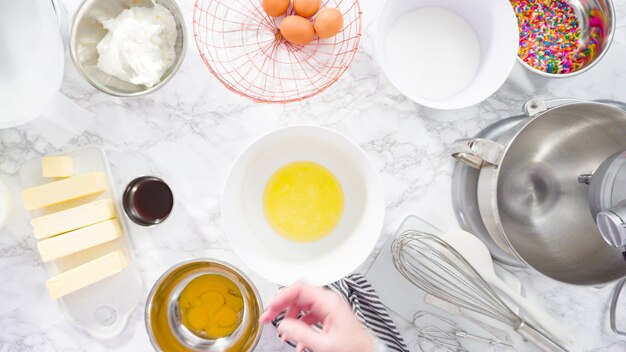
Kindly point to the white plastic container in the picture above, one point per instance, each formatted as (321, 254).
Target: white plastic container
(6, 202)
(102, 309)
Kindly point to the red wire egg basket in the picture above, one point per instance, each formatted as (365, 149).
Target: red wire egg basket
(242, 46)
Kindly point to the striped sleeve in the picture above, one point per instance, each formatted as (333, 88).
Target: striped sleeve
(369, 310)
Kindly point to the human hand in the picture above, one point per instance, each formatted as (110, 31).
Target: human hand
(341, 330)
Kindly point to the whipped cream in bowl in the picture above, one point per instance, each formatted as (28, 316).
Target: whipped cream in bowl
(128, 47)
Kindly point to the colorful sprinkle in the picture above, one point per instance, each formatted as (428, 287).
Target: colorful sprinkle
(550, 36)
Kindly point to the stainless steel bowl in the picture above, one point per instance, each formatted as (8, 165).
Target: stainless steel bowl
(465, 193)
(163, 322)
(582, 9)
(529, 196)
(87, 31)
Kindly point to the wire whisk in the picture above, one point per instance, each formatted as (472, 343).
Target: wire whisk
(448, 337)
(437, 268)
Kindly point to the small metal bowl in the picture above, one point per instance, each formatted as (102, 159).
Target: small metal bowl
(87, 31)
(163, 323)
(582, 9)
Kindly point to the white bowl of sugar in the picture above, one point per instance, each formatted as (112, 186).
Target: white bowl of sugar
(447, 54)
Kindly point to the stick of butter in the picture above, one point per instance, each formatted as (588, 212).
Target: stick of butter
(63, 190)
(57, 166)
(73, 218)
(79, 240)
(86, 274)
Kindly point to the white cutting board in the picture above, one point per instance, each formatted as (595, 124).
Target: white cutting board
(404, 298)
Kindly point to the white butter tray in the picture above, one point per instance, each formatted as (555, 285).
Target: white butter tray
(102, 309)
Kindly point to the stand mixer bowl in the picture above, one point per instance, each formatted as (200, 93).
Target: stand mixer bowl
(528, 194)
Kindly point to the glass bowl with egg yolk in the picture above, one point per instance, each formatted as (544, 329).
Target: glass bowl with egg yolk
(303, 201)
(203, 305)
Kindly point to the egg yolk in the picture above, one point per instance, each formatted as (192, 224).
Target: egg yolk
(211, 306)
(303, 201)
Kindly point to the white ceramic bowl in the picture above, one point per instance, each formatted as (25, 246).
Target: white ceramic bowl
(278, 259)
(495, 25)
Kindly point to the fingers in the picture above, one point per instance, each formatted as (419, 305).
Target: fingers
(311, 319)
(301, 333)
(293, 312)
(320, 301)
(297, 312)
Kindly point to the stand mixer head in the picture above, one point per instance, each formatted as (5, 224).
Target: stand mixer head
(607, 198)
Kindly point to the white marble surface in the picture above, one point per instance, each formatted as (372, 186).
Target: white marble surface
(190, 132)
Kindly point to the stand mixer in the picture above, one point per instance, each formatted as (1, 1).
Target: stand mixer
(607, 198)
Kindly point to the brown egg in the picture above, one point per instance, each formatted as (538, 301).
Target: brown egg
(306, 8)
(328, 23)
(297, 30)
(275, 8)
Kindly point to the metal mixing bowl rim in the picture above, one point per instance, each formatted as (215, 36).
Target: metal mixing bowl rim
(159, 282)
(494, 193)
(174, 69)
(608, 40)
(461, 169)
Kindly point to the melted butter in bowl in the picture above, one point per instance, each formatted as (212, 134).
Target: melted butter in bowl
(303, 201)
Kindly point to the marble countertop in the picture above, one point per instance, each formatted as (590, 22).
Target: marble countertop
(190, 132)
